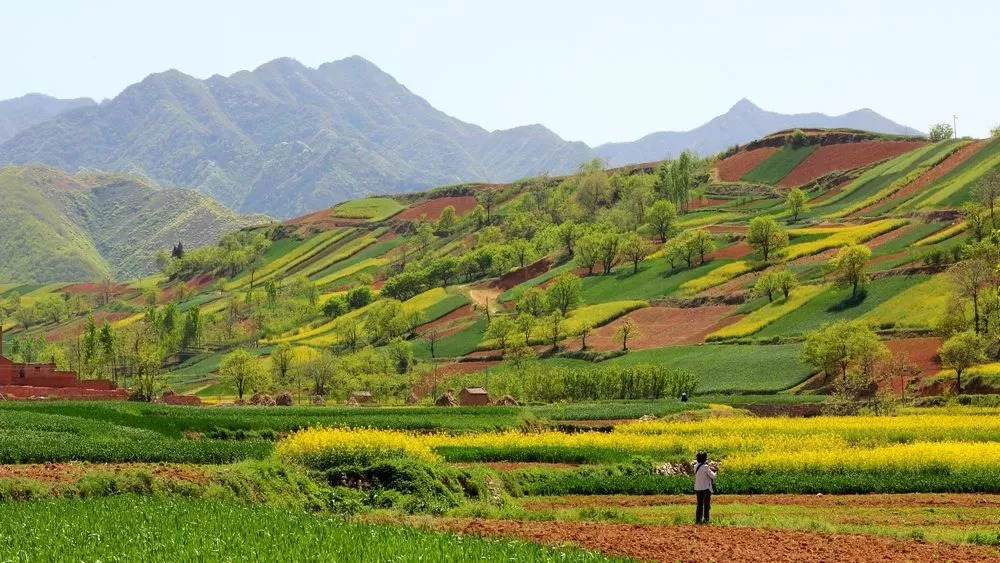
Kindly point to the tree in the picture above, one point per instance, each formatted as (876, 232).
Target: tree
(593, 189)
(564, 293)
(499, 331)
(522, 250)
(635, 248)
(443, 270)
(192, 330)
(971, 278)
(321, 371)
(584, 332)
(796, 202)
(241, 369)
(281, 361)
(447, 221)
(479, 216)
(995, 132)
(627, 329)
(841, 346)
(608, 249)
(531, 302)
(849, 266)
(962, 351)
(767, 284)
(940, 132)
(554, 329)
(785, 281)
(765, 236)
(401, 355)
(568, 232)
(975, 219)
(661, 217)
(178, 251)
(359, 296)
(987, 191)
(405, 285)
(588, 251)
(525, 324)
(431, 337)
(700, 242)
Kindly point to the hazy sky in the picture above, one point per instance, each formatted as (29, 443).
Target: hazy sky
(590, 71)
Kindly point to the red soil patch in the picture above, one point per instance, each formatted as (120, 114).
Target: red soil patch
(844, 156)
(322, 220)
(720, 543)
(736, 250)
(706, 202)
(923, 352)
(76, 326)
(466, 367)
(116, 289)
(661, 327)
(829, 193)
(947, 165)
(448, 324)
(73, 471)
(199, 282)
(726, 228)
(735, 167)
(521, 275)
(432, 208)
(875, 500)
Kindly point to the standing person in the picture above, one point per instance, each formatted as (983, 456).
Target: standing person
(704, 484)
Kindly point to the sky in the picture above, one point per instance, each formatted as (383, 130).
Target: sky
(590, 71)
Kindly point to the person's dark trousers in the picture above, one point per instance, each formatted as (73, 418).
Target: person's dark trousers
(704, 506)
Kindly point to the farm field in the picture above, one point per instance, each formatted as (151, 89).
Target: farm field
(530, 377)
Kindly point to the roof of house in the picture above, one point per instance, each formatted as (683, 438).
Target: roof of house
(475, 391)
(361, 393)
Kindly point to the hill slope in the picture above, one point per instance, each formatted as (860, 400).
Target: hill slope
(742, 123)
(18, 114)
(60, 227)
(285, 139)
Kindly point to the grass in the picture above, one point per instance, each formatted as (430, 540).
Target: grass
(778, 165)
(942, 235)
(455, 345)
(350, 270)
(841, 237)
(767, 314)
(955, 187)
(728, 368)
(719, 276)
(372, 209)
(836, 304)
(298, 254)
(655, 278)
(919, 306)
(202, 530)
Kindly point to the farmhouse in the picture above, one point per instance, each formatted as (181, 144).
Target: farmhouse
(45, 380)
(473, 397)
(360, 398)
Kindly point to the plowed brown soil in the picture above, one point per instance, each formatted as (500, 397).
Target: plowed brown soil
(844, 156)
(432, 208)
(928, 178)
(705, 202)
(521, 275)
(663, 326)
(71, 472)
(923, 352)
(717, 543)
(736, 250)
(448, 324)
(735, 167)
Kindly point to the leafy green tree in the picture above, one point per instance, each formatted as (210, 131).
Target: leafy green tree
(242, 370)
(849, 266)
(447, 221)
(192, 331)
(940, 132)
(838, 347)
(425, 236)
(359, 296)
(972, 277)
(627, 329)
(555, 329)
(405, 285)
(608, 249)
(321, 370)
(976, 220)
(523, 251)
(478, 216)
(593, 188)
(785, 281)
(335, 306)
(531, 302)
(662, 217)
(962, 351)
(765, 236)
(995, 132)
(282, 359)
(635, 249)
(987, 190)
(564, 293)
(583, 332)
(700, 243)
(568, 233)
(796, 202)
(525, 323)
(588, 251)
(766, 285)
(500, 330)
(443, 270)
(401, 355)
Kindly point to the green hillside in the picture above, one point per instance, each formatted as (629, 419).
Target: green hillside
(84, 227)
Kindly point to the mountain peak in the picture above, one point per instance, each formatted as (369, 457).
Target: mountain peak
(744, 106)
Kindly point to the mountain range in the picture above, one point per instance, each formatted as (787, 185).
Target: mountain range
(56, 226)
(286, 139)
(18, 114)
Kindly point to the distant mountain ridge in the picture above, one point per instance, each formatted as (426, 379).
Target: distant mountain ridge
(56, 226)
(286, 139)
(743, 122)
(18, 114)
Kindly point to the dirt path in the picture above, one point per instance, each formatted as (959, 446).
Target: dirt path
(485, 296)
(717, 543)
(71, 472)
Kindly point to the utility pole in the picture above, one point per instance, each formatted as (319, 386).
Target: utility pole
(954, 126)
